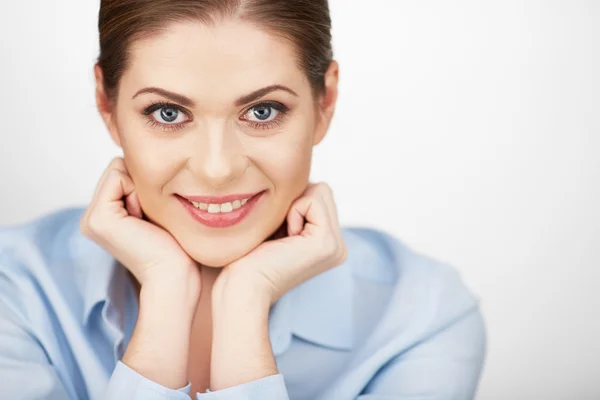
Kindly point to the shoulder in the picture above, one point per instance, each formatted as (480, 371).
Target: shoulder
(41, 230)
(36, 252)
(423, 284)
(48, 237)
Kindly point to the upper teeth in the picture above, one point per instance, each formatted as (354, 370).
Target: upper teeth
(220, 208)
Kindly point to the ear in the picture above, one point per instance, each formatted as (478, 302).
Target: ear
(105, 106)
(326, 102)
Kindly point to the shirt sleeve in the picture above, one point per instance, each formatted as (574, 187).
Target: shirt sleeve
(27, 374)
(127, 384)
(267, 388)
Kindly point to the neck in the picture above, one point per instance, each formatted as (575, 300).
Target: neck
(208, 276)
(201, 329)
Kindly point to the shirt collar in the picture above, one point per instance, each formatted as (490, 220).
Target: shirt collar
(319, 310)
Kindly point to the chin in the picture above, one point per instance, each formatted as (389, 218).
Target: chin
(221, 249)
(218, 253)
(214, 261)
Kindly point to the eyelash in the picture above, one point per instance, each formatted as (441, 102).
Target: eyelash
(282, 109)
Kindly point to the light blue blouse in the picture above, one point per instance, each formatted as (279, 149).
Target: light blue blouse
(387, 324)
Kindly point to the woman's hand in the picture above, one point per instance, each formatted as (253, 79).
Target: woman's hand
(169, 278)
(313, 244)
(114, 221)
(246, 288)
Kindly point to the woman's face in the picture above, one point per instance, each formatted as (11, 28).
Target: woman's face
(216, 111)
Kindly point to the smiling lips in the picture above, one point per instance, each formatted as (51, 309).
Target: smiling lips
(220, 211)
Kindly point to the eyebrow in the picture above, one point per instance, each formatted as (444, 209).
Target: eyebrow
(187, 102)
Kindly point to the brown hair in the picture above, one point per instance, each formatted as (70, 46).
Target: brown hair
(305, 23)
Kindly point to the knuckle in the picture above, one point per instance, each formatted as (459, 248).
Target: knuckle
(94, 224)
(321, 185)
(325, 189)
(334, 248)
(329, 245)
(115, 177)
(114, 173)
(116, 161)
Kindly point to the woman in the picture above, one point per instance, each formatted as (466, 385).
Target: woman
(206, 264)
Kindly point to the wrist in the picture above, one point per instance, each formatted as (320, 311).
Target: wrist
(241, 348)
(180, 289)
(159, 346)
(233, 291)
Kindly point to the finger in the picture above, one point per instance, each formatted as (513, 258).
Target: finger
(112, 186)
(326, 194)
(132, 201)
(295, 217)
(133, 206)
(115, 163)
(309, 208)
(116, 186)
(322, 195)
(295, 220)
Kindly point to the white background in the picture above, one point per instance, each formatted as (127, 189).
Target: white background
(468, 129)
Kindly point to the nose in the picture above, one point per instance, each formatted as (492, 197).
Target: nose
(218, 158)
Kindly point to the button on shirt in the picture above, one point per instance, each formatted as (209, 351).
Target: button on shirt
(389, 323)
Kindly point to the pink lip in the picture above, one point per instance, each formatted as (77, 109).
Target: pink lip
(220, 220)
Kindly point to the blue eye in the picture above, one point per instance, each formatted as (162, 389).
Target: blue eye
(264, 113)
(166, 116)
(169, 114)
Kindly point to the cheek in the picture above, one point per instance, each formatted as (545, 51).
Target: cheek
(286, 157)
(291, 168)
(147, 162)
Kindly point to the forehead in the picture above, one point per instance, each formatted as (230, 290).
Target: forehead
(224, 60)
